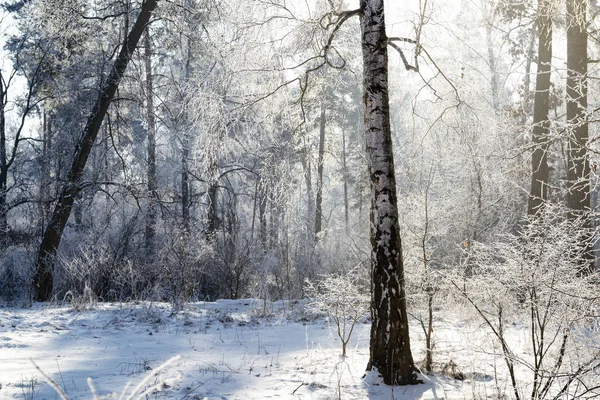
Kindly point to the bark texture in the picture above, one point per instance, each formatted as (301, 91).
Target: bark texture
(578, 166)
(3, 166)
(539, 160)
(319, 200)
(390, 345)
(150, 231)
(43, 281)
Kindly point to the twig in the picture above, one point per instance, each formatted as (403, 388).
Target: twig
(302, 384)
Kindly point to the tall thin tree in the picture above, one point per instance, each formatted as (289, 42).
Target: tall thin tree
(151, 157)
(578, 167)
(541, 124)
(321, 156)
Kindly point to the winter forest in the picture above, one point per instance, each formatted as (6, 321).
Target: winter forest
(393, 176)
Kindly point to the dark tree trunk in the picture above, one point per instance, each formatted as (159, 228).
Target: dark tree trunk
(539, 159)
(43, 281)
(309, 193)
(578, 167)
(185, 182)
(150, 231)
(212, 217)
(390, 343)
(526, 108)
(3, 167)
(274, 223)
(345, 174)
(262, 213)
(185, 148)
(319, 199)
(46, 177)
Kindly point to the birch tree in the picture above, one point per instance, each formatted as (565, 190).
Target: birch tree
(390, 343)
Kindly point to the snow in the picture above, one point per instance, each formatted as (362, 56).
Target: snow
(228, 350)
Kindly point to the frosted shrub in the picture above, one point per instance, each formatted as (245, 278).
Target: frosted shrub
(15, 273)
(341, 298)
(534, 280)
(180, 267)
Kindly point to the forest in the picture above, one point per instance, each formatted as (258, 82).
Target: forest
(431, 158)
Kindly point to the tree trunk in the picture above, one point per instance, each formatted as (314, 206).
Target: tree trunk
(274, 222)
(151, 171)
(262, 213)
(3, 167)
(578, 168)
(185, 146)
(390, 344)
(526, 109)
(305, 160)
(345, 175)
(492, 63)
(43, 281)
(185, 182)
(319, 199)
(212, 217)
(46, 177)
(539, 160)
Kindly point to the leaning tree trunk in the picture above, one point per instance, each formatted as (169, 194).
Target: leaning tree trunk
(578, 168)
(539, 159)
(43, 282)
(390, 344)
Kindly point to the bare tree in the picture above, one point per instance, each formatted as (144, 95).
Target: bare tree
(43, 281)
(10, 144)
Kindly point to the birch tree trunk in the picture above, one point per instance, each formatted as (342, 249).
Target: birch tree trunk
(43, 280)
(390, 344)
(539, 160)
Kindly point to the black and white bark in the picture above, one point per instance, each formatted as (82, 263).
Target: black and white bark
(43, 279)
(390, 344)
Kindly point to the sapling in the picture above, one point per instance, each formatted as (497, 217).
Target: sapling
(341, 298)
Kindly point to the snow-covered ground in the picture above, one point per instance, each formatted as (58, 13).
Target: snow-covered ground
(228, 350)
